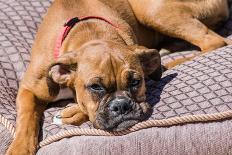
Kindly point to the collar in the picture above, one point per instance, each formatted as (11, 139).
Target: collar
(69, 25)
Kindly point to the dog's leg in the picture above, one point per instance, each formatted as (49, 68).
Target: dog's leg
(177, 21)
(29, 111)
(178, 61)
(73, 115)
(35, 91)
(191, 30)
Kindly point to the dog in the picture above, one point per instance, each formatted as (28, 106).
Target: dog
(102, 54)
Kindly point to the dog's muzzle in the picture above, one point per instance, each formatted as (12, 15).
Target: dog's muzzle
(120, 113)
(120, 106)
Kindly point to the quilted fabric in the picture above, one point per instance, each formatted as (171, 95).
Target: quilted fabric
(200, 86)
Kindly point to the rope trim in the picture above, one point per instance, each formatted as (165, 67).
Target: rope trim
(7, 124)
(139, 126)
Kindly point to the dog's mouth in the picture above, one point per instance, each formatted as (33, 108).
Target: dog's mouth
(105, 120)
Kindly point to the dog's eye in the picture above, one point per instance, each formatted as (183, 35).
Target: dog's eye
(135, 83)
(96, 88)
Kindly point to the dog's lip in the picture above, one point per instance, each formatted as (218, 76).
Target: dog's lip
(120, 126)
(125, 124)
(122, 123)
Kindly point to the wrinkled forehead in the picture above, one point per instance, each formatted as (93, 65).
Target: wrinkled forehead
(105, 61)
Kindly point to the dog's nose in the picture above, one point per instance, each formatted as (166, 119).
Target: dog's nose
(120, 105)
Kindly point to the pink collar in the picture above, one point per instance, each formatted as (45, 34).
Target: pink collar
(69, 25)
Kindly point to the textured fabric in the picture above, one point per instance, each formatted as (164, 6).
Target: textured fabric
(191, 139)
(5, 139)
(19, 23)
(201, 86)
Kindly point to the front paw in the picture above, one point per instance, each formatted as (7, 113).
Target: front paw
(19, 147)
(70, 115)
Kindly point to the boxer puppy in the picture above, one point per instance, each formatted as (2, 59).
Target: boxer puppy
(97, 56)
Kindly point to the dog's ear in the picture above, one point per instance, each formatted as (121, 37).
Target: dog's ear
(151, 62)
(64, 69)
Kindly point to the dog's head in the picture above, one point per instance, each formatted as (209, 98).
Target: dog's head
(108, 80)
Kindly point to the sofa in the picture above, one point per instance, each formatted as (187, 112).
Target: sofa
(192, 103)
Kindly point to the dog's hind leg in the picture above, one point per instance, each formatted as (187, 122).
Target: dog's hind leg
(177, 20)
(179, 61)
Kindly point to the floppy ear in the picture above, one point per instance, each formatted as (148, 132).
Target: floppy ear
(63, 70)
(151, 62)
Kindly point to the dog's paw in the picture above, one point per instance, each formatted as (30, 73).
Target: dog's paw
(21, 148)
(70, 115)
(57, 119)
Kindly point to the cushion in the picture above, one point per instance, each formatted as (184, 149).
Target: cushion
(192, 103)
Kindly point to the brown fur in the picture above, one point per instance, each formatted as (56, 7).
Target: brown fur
(96, 44)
